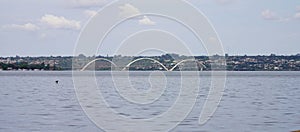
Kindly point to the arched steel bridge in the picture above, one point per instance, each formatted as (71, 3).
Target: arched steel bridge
(103, 59)
(139, 59)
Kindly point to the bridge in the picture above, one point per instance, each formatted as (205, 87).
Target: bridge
(139, 59)
(156, 61)
(187, 60)
(98, 59)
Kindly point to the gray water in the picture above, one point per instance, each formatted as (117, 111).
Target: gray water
(252, 101)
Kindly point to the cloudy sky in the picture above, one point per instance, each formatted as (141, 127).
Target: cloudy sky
(44, 28)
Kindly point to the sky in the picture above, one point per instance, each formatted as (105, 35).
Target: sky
(253, 27)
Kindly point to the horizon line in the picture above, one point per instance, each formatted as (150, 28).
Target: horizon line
(272, 54)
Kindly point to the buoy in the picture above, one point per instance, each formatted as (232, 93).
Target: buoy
(56, 81)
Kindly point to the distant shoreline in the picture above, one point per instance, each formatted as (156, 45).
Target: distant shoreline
(153, 63)
(142, 71)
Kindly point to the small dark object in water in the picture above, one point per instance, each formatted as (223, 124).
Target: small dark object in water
(56, 81)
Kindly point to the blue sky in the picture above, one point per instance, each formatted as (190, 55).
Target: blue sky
(44, 28)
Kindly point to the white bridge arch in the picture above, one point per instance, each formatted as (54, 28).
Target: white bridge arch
(187, 60)
(156, 61)
(134, 61)
(103, 59)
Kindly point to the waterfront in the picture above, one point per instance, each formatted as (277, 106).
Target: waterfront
(252, 101)
(150, 63)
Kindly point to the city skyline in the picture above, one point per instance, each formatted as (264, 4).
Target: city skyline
(146, 55)
(168, 62)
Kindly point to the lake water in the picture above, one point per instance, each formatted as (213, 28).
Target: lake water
(252, 101)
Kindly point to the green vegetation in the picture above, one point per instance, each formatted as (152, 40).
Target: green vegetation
(233, 63)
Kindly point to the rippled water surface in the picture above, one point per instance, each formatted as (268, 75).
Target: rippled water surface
(252, 101)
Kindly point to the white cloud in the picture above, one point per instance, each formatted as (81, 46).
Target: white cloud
(90, 13)
(128, 10)
(87, 3)
(297, 15)
(269, 15)
(60, 22)
(146, 21)
(298, 8)
(42, 35)
(26, 27)
(47, 21)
